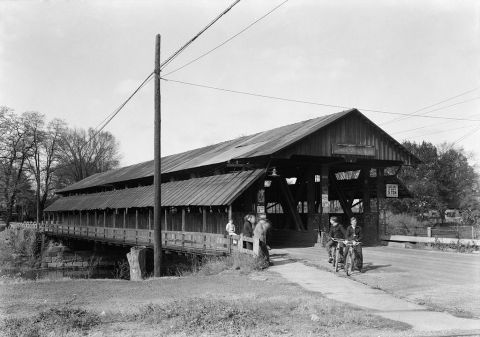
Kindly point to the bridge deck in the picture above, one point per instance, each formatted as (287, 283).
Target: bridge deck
(189, 242)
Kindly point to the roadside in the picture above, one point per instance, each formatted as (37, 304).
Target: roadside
(376, 301)
(442, 281)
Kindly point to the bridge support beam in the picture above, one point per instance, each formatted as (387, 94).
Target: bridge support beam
(137, 261)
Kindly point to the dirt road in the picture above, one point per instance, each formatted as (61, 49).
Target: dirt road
(443, 281)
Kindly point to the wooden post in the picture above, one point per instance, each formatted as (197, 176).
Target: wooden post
(289, 204)
(125, 218)
(368, 231)
(325, 204)
(105, 218)
(149, 219)
(80, 218)
(311, 199)
(166, 217)
(230, 212)
(366, 191)
(136, 218)
(183, 219)
(380, 197)
(115, 218)
(157, 181)
(204, 219)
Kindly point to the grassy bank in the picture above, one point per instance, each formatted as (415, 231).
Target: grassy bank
(227, 304)
(19, 248)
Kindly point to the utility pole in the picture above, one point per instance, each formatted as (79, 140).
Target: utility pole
(157, 180)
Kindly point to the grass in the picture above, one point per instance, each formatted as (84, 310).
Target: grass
(231, 303)
(54, 321)
(456, 246)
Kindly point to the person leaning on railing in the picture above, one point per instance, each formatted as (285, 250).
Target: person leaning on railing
(247, 230)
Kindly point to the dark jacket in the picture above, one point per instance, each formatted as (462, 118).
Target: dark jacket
(354, 234)
(337, 232)
(247, 229)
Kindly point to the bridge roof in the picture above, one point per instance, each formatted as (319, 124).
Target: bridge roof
(261, 144)
(215, 190)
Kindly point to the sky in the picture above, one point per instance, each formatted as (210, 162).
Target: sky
(79, 60)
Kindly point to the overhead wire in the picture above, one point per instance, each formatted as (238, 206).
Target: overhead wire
(465, 136)
(413, 114)
(229, 39)
(107, 119)
(429, 126)
(189, 42)
(308, 102)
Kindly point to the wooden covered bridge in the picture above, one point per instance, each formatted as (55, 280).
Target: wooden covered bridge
(296, 176)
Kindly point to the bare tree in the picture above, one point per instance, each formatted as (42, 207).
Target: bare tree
(15, 149)
(44, 156)
(82, 154)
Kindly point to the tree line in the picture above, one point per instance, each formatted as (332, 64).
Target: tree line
(38, 156)
(444, 180)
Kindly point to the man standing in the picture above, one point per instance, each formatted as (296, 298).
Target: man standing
(354, 233)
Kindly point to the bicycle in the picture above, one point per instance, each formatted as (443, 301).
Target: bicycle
(351, 259)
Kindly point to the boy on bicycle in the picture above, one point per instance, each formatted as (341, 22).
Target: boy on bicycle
(354, 233)
(336, 232)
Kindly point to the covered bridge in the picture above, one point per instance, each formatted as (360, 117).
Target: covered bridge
(296, 176)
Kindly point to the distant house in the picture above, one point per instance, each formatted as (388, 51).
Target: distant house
(291, 175)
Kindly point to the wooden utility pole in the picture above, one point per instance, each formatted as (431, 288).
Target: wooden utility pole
(157, 181)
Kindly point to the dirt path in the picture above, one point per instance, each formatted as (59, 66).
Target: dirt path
(421, 318)
(441, 280)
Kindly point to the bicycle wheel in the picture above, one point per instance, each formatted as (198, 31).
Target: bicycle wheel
(349, 263)
(337, 259)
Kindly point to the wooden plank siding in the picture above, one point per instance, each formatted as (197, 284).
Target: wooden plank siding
(353, 130)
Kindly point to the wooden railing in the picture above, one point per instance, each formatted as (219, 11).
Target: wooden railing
(192, 242)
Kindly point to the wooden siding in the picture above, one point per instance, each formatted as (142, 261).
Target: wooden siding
(352, 130)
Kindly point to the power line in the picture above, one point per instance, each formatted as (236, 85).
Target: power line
(468, 134)
(427, 126)
(413, 114)
(107, 120)
(309, 102)
(189, 42)
(441, 131)
(227, 40)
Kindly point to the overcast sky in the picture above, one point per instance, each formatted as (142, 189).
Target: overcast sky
(78, 60)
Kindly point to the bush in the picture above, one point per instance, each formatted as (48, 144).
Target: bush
(405, 224)
(58, 321)
(24, 242)
(22, 248)
(243, 262)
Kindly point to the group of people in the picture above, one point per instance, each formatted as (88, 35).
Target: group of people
(352, 233)
(253, 228)
(258, 229)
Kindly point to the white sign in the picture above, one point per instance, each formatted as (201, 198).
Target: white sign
(391, 190)
(260, 209)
